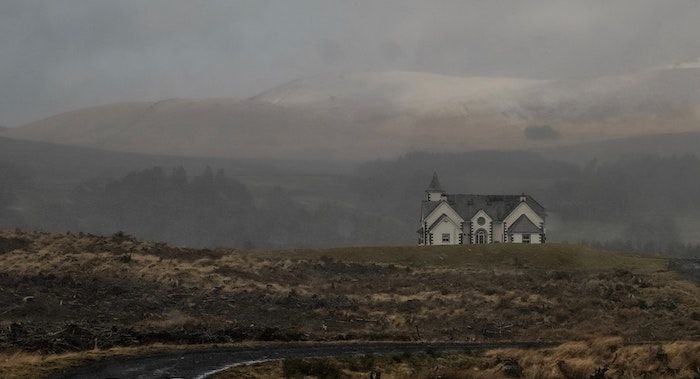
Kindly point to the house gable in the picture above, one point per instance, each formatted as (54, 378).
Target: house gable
(487, 225)
(523, 225)
(443, 208)
(522, 209)
(445, 231)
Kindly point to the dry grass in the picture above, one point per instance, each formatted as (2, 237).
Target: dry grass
(64, 293)
(27, 365)
(610, 357)
(547, 256)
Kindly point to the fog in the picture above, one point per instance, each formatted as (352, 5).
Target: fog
(58, 56)
(283, 124)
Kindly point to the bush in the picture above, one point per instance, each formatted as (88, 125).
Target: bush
(318, 367)
(362, 363)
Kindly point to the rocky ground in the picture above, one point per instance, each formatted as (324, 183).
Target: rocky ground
(72, 292)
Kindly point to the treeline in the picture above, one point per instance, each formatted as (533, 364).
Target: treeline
(207, 209)
(639, 201)
(635, 203)
(210, 210)
(655, 200)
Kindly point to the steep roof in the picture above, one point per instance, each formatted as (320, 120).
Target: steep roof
(496, 206)
(523, 225)
(435, 185)
(428, 206)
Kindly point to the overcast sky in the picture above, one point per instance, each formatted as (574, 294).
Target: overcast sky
(58, 55)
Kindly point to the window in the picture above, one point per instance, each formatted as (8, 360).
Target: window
(526, 238)
(445, 237)
(481, 221)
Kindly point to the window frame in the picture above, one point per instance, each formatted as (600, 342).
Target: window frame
(449, 237)
(481, 236)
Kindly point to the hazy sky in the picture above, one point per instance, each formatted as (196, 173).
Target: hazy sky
(57, 55)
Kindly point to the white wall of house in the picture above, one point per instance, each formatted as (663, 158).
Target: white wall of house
(447, 227)
(497, 231)
(435, 196)
(534, 238)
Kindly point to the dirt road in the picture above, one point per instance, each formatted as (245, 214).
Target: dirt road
(203, 363)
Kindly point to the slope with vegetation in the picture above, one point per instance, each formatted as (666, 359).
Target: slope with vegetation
(70, 292)
(598, 359)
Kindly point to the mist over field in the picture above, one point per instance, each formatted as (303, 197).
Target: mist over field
(316, 123)
(335, 189)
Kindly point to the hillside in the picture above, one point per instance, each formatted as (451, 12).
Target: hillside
(65, 292)
(383, 114)
(58, 166)
(598, 358)
(664, 144)
(204, 128)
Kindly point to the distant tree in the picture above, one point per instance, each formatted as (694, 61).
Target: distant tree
(541, 132)
(179, 177)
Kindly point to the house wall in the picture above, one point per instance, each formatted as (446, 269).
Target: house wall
(518, 238)
(448, 226)
(435, 196)
(497, 231)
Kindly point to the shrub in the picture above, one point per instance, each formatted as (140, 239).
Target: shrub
(318, 367)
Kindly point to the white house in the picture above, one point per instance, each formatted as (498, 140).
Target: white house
(448, 219)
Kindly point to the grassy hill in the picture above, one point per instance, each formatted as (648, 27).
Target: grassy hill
(498, 256)
(69, 292)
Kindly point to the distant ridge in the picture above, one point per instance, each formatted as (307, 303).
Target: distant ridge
(383, 114)
(664, 144)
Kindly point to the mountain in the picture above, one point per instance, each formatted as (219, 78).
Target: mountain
(205, 128)
(377, 115)
(495, 112)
